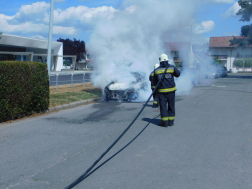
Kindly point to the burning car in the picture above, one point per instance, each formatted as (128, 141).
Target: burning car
(126, 92)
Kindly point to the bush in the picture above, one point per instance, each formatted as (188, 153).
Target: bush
(24, 89)
(239, 63)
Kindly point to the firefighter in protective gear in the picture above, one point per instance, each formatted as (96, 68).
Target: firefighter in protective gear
(166, 90)
(155, 95)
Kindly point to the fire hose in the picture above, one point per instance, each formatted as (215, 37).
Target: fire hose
(85, 174)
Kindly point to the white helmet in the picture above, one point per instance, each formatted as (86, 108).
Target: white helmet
(163, 57)
(156, 66)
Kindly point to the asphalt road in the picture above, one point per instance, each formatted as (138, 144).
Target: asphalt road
(64, 79)
(208, 147)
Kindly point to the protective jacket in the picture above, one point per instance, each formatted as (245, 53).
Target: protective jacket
(151, 80)
(168, 83)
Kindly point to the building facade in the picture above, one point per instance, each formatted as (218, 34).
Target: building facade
(220, 47)
(20, 48)
(83, 62)
(180, 53)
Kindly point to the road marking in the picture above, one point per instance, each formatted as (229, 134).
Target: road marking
(217, 86)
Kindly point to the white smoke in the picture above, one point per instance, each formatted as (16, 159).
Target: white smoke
(133, 39)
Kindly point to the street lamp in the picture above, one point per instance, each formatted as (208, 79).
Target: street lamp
(49, 49)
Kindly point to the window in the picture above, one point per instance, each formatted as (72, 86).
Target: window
(176, 54)
(223, 52)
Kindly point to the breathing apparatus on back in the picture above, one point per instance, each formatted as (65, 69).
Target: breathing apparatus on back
(156, 66)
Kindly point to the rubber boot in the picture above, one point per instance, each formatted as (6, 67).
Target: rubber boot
(170, 123)
(164, 124)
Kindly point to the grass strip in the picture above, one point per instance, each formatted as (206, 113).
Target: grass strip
(68, 95)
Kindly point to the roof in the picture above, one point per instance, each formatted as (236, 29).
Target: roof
(222, 41)
(177, 46)
(20, 41)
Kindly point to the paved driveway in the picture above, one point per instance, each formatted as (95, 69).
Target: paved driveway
(209, 146)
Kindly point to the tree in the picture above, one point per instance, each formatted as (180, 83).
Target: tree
(73, 47)
(246, 10)
(217, 61)
(246, 31)
(0, 34)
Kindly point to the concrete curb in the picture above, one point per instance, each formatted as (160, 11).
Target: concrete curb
(71, 105)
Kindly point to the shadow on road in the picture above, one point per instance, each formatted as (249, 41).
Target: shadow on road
(148, 105)
(239, 91)
(240, 76)
(152, 121)
(87, 173)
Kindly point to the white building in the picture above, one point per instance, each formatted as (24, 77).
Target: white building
(83, 62)
(220, 47)
(20, 48)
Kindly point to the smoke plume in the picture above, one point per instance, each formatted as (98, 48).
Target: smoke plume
(133, 39)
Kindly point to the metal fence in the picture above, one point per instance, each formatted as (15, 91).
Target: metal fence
(71, 80)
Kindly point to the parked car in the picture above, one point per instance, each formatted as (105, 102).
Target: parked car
(222, 71)
(211, 74)
(126, 92)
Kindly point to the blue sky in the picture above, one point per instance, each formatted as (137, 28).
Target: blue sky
(30, 17)
(225, 25)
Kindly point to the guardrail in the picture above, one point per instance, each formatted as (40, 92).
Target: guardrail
(72, 80)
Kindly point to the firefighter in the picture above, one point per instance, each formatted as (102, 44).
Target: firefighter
(166, 90)
(155, 95)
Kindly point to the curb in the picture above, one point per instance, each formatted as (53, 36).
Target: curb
(71, 105)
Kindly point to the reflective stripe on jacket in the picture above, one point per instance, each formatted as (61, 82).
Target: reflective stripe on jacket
(167, 90)
(167, 84)
(151, 80)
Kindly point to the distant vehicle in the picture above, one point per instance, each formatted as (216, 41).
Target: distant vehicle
(115, 91)
(222, 71)
(194, 74)
(211, 74)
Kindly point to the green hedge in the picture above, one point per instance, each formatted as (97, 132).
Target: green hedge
(24, 89)
(239, 63)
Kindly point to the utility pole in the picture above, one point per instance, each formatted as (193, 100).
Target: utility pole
(190, 47)
(243, 61)
(230, 59)
(49, 49)
(191, 33)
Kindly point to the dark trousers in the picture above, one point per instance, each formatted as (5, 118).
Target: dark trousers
(167, 114)
(155, 97)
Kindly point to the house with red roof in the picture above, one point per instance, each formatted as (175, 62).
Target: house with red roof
(221, 48)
